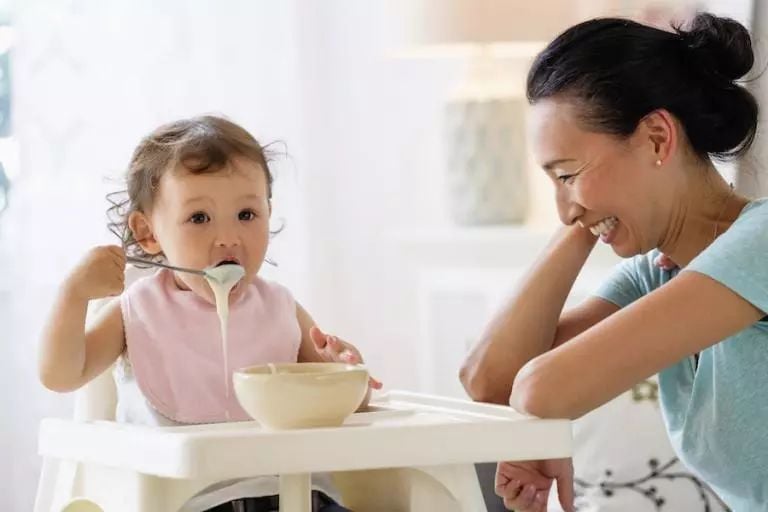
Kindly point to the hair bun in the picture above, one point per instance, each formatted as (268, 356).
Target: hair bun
(722, 45)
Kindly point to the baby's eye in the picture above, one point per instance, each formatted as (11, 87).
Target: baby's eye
(199, 218)
(247, 215)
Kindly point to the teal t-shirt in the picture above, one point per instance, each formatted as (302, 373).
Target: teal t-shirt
(716, 409)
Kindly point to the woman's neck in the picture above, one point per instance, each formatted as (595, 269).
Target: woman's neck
(703, 210)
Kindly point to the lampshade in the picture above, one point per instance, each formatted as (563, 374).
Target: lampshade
(444, 22)
(440, 24)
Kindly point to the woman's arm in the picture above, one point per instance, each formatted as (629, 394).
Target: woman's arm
(681, 318)
(531, 323)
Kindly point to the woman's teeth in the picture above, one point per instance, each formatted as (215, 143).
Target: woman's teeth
(604, 226)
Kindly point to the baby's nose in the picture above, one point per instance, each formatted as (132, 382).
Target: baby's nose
(227, 238)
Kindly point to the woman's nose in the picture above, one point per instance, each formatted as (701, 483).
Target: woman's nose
(569, 211)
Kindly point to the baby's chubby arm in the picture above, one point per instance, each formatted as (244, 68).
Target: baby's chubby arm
(70, 355)
(317, 346)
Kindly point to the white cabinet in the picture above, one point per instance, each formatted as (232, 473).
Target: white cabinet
(455, 304)
(459, 277)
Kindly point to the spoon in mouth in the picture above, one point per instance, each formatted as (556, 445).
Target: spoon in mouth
(223, 274)
(226, 274)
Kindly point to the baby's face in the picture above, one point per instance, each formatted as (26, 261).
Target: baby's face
(203, 220)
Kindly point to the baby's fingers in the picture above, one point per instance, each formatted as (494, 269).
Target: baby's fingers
(337, 347)
(347, 356)
(319, 338)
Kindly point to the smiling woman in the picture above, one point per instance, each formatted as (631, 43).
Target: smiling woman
(626, 122)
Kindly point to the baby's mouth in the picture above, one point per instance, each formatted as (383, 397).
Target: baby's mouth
(228, 261)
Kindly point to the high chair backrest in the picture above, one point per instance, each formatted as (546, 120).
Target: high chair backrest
(97, 400)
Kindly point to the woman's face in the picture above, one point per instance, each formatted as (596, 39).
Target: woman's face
(602, 182)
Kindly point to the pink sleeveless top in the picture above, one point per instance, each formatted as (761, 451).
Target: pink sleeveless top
(174, 345)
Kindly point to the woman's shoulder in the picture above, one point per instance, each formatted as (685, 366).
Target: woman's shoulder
(748, 230)
(754, 210)
(737, 258)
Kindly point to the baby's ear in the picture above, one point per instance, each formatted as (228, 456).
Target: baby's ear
(141, 228)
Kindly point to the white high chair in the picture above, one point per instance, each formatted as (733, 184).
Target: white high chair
(410, 453)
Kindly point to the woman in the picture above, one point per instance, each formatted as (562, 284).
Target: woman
(626, 120)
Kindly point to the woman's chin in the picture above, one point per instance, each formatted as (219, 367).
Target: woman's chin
(625, 250)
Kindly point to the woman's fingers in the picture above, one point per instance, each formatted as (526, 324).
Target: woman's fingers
(565, 488)
(664, 262)
(524, 501)
(509, 490)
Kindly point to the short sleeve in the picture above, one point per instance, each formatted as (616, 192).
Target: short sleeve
(738, 259)
(634, 278)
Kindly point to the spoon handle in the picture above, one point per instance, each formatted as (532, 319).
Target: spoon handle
(139, 261)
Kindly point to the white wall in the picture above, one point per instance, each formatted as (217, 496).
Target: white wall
(373, 165)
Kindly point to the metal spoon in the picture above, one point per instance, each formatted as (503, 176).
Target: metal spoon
(229, 272)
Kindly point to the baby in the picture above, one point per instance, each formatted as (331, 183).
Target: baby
(199, 195)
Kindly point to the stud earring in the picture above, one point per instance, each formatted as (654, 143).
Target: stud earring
(658, 163)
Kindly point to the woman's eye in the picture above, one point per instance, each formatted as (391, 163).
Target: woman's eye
(567, 178)
(247, 215)
(199, 218)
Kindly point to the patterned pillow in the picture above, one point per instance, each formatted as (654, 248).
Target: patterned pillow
(624, 462)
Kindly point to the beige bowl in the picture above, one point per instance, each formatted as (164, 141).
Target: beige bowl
(301, 395)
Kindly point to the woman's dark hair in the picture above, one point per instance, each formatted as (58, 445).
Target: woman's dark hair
(618, 71)
(204, 144)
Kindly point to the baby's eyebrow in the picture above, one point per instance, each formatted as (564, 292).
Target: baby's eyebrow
(252, 196)
(196, 199)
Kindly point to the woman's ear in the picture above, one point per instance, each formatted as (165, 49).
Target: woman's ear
(140, 226)
(659, 133)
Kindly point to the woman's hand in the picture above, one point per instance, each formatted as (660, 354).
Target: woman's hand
(525, 486)
(664, 262)
(332, 349)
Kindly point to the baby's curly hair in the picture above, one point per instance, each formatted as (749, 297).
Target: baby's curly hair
(203, 144)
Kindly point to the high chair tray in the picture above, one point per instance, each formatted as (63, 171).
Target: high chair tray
(401, 429)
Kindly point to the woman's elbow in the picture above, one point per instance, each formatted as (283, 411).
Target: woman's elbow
(469, 378)
(478, 386)
(535, 394)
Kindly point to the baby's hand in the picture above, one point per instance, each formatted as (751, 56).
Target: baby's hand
(334, 350)
(101, 273)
